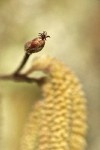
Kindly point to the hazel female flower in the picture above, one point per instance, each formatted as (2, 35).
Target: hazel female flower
(36, 44)
(30, 47)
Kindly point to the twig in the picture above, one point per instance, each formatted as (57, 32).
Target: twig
(26, 57)
(23, 78)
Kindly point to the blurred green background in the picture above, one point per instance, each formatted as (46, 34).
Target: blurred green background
(74, 27)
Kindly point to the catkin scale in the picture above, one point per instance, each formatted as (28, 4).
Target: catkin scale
(62, 116)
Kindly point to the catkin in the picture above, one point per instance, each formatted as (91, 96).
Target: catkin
(62, 116)
(28, 141)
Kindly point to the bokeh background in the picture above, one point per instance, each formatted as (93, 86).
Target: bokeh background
(74, 27)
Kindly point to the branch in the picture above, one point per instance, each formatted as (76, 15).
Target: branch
(23, 78)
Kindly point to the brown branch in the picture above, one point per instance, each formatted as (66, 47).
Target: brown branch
(23, 78)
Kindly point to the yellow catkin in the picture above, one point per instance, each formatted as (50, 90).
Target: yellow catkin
(31, 128)
(62, 122)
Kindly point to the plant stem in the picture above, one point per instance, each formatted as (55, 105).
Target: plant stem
(23, 78)
(26, 57)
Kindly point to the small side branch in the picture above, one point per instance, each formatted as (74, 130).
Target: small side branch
(25, 59)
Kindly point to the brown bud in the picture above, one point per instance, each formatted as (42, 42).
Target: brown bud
(36, 44)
